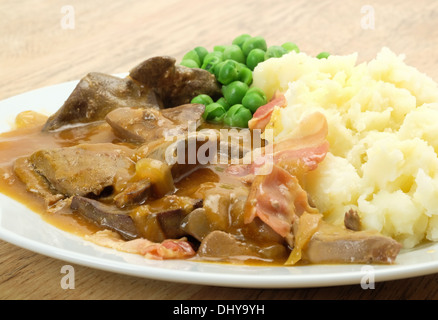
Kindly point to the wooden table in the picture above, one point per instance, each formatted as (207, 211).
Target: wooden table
(47, 42)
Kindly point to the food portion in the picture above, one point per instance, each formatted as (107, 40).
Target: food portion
(248, 153)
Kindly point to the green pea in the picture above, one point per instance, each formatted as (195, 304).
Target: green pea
(217, 68)
(189, 63)
(245, 75)
(234, 52)
(290, 46)
(202, 99)
(254, 98)
(323, 55)
(275, 52)
(214, 112)
(201, 52)
(210, 60)
(192, 55)
(239, 40)
(228, 72)
(237, 116)
(255, 56)
(219, 48)
(234, 92)
(252, 43)
(224, 103)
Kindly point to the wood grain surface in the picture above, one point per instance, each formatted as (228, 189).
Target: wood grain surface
(38, 48)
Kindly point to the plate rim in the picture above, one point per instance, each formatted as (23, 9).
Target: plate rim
(382, 273)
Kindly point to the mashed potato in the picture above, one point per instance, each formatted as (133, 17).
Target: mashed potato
(383, 135)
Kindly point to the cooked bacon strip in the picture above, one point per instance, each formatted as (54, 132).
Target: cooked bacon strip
(263, 114)
(301, 160)
(278, 200)
(306, 147)
(298, 153)
(311, 131)
(168, 249)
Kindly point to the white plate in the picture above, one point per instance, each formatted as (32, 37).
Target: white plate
(24, 228)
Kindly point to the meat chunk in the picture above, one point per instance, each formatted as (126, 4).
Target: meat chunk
(184, 114)
(162, 218)
(135, 193)
(141, 125)
(96, 95)
(352, 220)
(105, 216)
(332, 244)
(196, 224)
(174, 84)
(34, 182)
(83, 169)
(220, 244)
(170, 223)
(137, 125)
(225, 246)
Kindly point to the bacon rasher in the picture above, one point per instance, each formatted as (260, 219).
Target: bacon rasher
(168, 249)
(263, 114)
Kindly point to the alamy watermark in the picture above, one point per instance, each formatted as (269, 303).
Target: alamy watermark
(367, 22)
(68, 17)
(68, 280)
(367, 281)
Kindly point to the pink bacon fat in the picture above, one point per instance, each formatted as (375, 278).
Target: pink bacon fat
(168, 249)
(277, 199)
(263, 114)
(297, 153)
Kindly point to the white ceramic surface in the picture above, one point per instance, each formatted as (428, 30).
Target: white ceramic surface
(24, 228)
